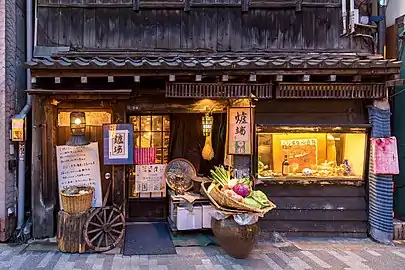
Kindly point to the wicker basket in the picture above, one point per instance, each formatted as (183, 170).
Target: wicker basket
(77, 203)
(218, 197)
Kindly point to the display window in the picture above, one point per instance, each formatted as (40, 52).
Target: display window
(311, 152)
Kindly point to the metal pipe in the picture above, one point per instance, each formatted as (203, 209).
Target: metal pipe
(24, 112)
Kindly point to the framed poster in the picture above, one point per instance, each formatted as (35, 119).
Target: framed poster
(150, 178)
(79, 166)
(240, 130)
(118, 144)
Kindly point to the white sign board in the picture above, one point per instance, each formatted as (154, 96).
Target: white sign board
(150, 178)
(80, 166)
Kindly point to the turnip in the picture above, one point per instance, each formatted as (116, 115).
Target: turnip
(242, 190)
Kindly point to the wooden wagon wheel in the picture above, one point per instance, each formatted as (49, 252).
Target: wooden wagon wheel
(104, 228)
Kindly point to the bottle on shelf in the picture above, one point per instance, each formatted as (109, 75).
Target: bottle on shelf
(286, 166)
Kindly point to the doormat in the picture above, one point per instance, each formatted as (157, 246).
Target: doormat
(148, 239)
(193, 239)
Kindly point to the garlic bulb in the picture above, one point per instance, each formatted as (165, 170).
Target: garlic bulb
(208, 152)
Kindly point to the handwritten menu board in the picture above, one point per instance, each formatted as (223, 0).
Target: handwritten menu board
(150, 178)
(302, 152)
(80, 166)
(239, 130)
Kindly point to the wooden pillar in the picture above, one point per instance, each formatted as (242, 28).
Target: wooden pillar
(118, 186)
(43, 185)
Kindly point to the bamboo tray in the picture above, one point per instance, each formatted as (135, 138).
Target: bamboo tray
(224, 203)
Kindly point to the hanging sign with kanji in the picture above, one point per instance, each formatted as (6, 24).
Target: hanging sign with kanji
(239, 131)
(118, 144)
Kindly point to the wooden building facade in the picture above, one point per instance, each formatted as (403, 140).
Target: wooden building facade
(125, 61)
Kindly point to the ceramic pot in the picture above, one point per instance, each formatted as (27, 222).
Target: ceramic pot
(238, 241)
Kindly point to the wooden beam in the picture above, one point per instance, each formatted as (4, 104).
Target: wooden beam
(181, 5)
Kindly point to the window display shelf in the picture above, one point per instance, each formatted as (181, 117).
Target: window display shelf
(311, 153)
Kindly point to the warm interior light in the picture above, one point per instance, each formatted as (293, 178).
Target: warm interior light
(78, 121)
(207, 124)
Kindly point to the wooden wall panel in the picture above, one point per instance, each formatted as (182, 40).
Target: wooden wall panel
(315, 210)
(208, 29)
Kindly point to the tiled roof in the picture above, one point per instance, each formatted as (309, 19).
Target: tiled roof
(302, 61)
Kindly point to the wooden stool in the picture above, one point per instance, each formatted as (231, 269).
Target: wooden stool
(70, 232)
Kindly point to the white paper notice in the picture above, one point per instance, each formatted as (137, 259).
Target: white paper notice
(80, 166)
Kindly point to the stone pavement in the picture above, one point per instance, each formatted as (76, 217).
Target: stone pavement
(298, 254)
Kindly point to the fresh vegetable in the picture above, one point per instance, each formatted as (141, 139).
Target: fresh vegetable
(252, 202)
(231, 194)
(233, 182)
(220, 175)
(260, 197)
(242, 189)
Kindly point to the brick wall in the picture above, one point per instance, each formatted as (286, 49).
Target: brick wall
(12, 84)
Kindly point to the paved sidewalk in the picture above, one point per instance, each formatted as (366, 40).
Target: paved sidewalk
(300, 254)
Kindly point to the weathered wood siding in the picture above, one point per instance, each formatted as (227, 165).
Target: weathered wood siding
(207, 29)
(315, 210)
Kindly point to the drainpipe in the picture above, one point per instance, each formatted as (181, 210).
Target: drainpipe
(382, 8)
(23, 113)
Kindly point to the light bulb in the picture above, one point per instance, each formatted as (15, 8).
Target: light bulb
(78, 121)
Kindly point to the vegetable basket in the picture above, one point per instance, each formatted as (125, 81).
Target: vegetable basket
(218, 197)
(77, 203)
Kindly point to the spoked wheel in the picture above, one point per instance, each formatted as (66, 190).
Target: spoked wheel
(104, 228)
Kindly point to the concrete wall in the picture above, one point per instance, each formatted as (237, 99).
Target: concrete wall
(12, 84)
(395, 9)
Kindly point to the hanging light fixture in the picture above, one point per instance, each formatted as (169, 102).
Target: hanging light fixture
(77, 129)
(207, 124)
(77, 123)
(207, 152)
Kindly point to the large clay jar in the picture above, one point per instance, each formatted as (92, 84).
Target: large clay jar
(238, 241)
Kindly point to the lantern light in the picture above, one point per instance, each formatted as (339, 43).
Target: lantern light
(207, 124)
(77, 123)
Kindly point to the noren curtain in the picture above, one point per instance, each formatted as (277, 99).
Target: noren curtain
(187, 140)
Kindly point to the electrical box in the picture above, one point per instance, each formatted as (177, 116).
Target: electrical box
(18, 129)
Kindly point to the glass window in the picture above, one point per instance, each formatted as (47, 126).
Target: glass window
(150, 131)
(334, 152)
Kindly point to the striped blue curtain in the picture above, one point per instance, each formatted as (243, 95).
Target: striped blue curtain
(380, 186)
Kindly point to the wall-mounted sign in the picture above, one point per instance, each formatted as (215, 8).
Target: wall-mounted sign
(18, 129)
(79, 166)
(150, 178)
(118, 144)
(239, 131)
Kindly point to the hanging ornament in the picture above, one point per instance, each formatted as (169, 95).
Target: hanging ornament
(207, 152)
